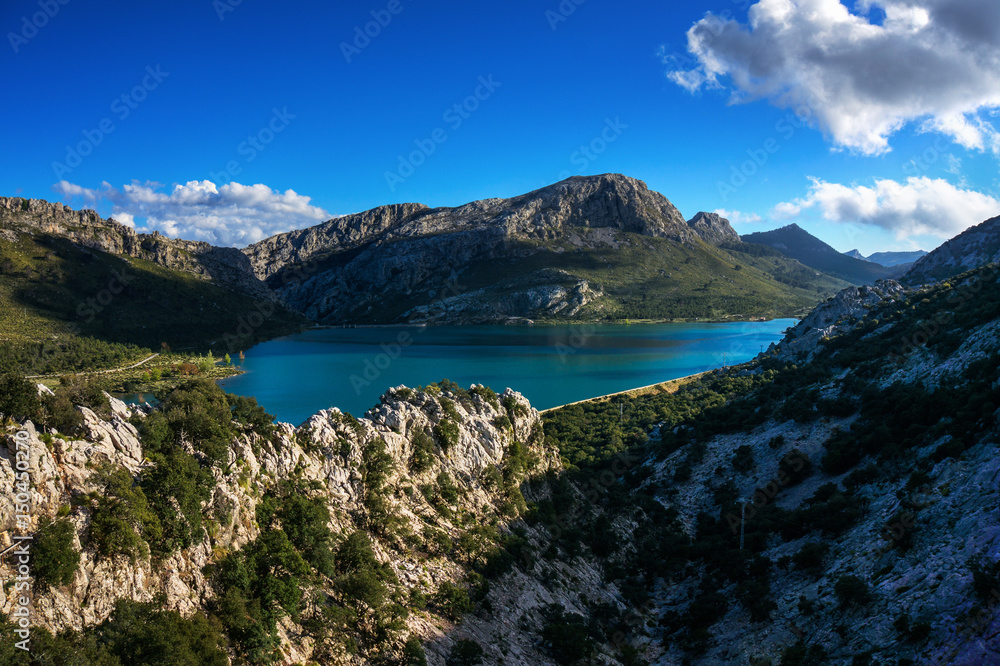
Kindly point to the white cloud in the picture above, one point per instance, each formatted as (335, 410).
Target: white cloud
(738, 217)
(232, 214)
(920, 206)
(931, 62)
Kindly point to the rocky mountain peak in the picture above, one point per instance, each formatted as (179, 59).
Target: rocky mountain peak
(713, 228)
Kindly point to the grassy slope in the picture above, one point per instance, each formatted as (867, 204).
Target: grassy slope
(46, 283)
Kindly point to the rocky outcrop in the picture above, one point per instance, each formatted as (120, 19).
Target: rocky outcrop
(838, 315)
(227, 267)
(328, 449)
(713, 228)
(975, 247)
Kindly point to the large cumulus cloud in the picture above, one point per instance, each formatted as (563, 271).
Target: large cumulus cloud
(919, 206)
(865, 73)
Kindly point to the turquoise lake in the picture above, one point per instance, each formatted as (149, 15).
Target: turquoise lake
(296, 376)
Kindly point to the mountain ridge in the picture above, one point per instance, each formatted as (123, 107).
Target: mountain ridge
(796, 242)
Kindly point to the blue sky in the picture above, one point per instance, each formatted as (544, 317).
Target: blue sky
(269, 99)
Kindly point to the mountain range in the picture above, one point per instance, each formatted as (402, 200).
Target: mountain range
(889, 259)
(596, 248)
(799, 244)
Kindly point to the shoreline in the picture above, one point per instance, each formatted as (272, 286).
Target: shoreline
(666, 387)
(734, 319)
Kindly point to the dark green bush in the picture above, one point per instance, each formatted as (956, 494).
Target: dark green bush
(413, 653)
(423, 452)
(566, 636)
(743, 460)
(465, 652)
(852, 591)
(452, 601)
(811, 556)
(122, 522)
(18, 397)
(54, 558)
(176, 481)
(446, 433)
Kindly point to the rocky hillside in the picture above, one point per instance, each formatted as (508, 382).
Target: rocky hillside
(227, 267)
(76, 280)
(975, 247)
(833, 502)
(588, 247)
(397, 534)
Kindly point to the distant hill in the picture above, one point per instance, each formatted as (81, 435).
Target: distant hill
(588, 248)
(70, 278)
(795, 242)
(892, 259)
(975, 247)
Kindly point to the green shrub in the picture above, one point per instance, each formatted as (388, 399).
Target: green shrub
(743, 460)
(811, 556)
(446, 433)
(122, 522)
(176, 481)
(255, 587)
(852, 591)
(18, 397)
(413, 652)
(59, 413)
(303, 518)
(452, 601)
(985, 576)
(54, 558)
(135, 633)
(446, 488)
(487, 394)
(252, 416)
(145, 634)
(465, 652)
(449, 409)
(566, 636)
(423, 452)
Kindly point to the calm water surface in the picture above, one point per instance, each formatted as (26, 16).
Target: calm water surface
(296, 376)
